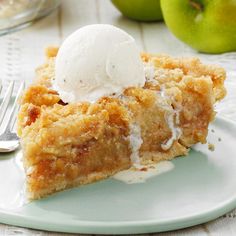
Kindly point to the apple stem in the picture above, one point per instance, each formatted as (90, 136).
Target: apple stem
(196, 5)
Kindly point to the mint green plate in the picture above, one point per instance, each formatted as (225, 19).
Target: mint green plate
(201, 187)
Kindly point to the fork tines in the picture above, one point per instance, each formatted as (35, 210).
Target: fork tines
(5, 104)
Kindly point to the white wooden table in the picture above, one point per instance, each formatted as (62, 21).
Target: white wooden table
(21, 52)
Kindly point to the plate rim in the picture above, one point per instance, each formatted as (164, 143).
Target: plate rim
(122, 227)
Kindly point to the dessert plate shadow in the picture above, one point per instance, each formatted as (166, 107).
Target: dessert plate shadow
(200, 188)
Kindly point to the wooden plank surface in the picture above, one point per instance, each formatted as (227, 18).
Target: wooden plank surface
(21, 52)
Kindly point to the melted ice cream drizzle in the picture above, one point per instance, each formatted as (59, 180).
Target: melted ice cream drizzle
(172, 120)
(140, 173)
(135, 140)
(172, 117)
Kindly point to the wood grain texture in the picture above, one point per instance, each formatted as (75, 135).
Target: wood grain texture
(21, 52)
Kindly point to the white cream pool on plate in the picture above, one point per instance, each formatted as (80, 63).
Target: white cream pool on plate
(140, 173)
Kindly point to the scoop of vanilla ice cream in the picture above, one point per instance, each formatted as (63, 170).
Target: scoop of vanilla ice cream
(97, 60)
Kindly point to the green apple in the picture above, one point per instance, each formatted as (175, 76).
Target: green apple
(206, 25)
(141, 10)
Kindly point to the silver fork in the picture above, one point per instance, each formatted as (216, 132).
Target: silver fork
(9, 140)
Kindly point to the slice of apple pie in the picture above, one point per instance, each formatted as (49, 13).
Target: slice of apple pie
(71, 144)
